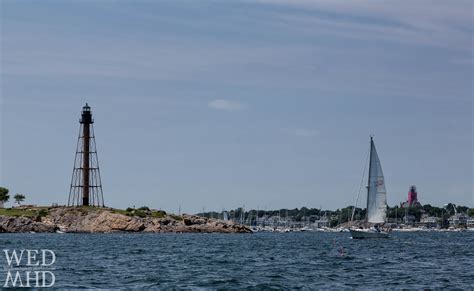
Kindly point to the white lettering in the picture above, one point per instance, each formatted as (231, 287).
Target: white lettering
(14, 254)
(32, 278)
(53, 279)
(17, 277)
(32, 256)
(53, 257)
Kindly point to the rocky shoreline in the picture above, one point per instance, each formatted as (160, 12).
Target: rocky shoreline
(105, 220)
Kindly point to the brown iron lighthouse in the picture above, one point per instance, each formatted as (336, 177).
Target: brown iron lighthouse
(86, 185)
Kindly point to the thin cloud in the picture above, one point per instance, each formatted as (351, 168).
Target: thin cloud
(222, 104)
(429, 22)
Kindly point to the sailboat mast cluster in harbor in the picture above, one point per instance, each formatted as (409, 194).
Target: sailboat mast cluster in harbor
(375, 214)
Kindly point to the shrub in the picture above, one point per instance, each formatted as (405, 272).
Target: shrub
(139, 213)
(158, 214)
(176, 217)
(42, 213)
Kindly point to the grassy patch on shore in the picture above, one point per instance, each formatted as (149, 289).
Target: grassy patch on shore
(18, 212)
(140, 212)
(44, 211)
(176, 217)
(158, 214)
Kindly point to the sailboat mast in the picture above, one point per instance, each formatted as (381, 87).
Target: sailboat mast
(368, 178)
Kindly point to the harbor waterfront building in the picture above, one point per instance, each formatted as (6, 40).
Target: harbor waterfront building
(470, 222)
(459, 219)
(429, 221)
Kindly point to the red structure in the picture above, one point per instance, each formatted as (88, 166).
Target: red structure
(86, 185)
(412, 195)
(412, 198)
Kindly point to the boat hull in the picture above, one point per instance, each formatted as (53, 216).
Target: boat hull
(368, 234)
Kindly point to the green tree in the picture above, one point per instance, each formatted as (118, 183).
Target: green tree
(427, 208)
(19, 198)
(470, 212)
(462, 209)
(450, 209)
(415, 211)
(4, 197)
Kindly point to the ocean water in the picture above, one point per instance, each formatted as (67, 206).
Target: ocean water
(256, 261)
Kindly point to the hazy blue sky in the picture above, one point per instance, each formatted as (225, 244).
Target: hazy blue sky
(225, 103)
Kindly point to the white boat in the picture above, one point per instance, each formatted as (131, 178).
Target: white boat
(368, 233)
(255, 229)
(305, 228)
(453, 229)
(376, 199)
(408, 229)
(225, 215)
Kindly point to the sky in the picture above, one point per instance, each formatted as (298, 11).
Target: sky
(221, 104)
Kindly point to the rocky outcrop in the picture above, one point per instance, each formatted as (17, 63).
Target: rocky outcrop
(92, 220)
(99, 220)
(198, 224)
(24, 224)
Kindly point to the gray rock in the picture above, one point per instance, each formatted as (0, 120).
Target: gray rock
(102, 220)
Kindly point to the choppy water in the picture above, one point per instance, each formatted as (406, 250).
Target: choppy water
(262, 260)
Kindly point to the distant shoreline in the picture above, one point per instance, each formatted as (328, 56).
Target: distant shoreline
(420, 216)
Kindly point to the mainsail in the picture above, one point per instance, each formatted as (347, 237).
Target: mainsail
(376, 193)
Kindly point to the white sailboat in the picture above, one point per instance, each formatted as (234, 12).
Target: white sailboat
(376, 199)
(225, 215)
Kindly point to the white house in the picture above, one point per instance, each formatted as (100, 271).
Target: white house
(458, 219)
(470, 222)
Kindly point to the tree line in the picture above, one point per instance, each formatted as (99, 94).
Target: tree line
(5, 197)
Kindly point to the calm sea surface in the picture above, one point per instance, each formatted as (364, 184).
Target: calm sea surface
(262, 260)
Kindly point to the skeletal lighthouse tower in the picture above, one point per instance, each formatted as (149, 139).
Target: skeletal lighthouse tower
(86, 185)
